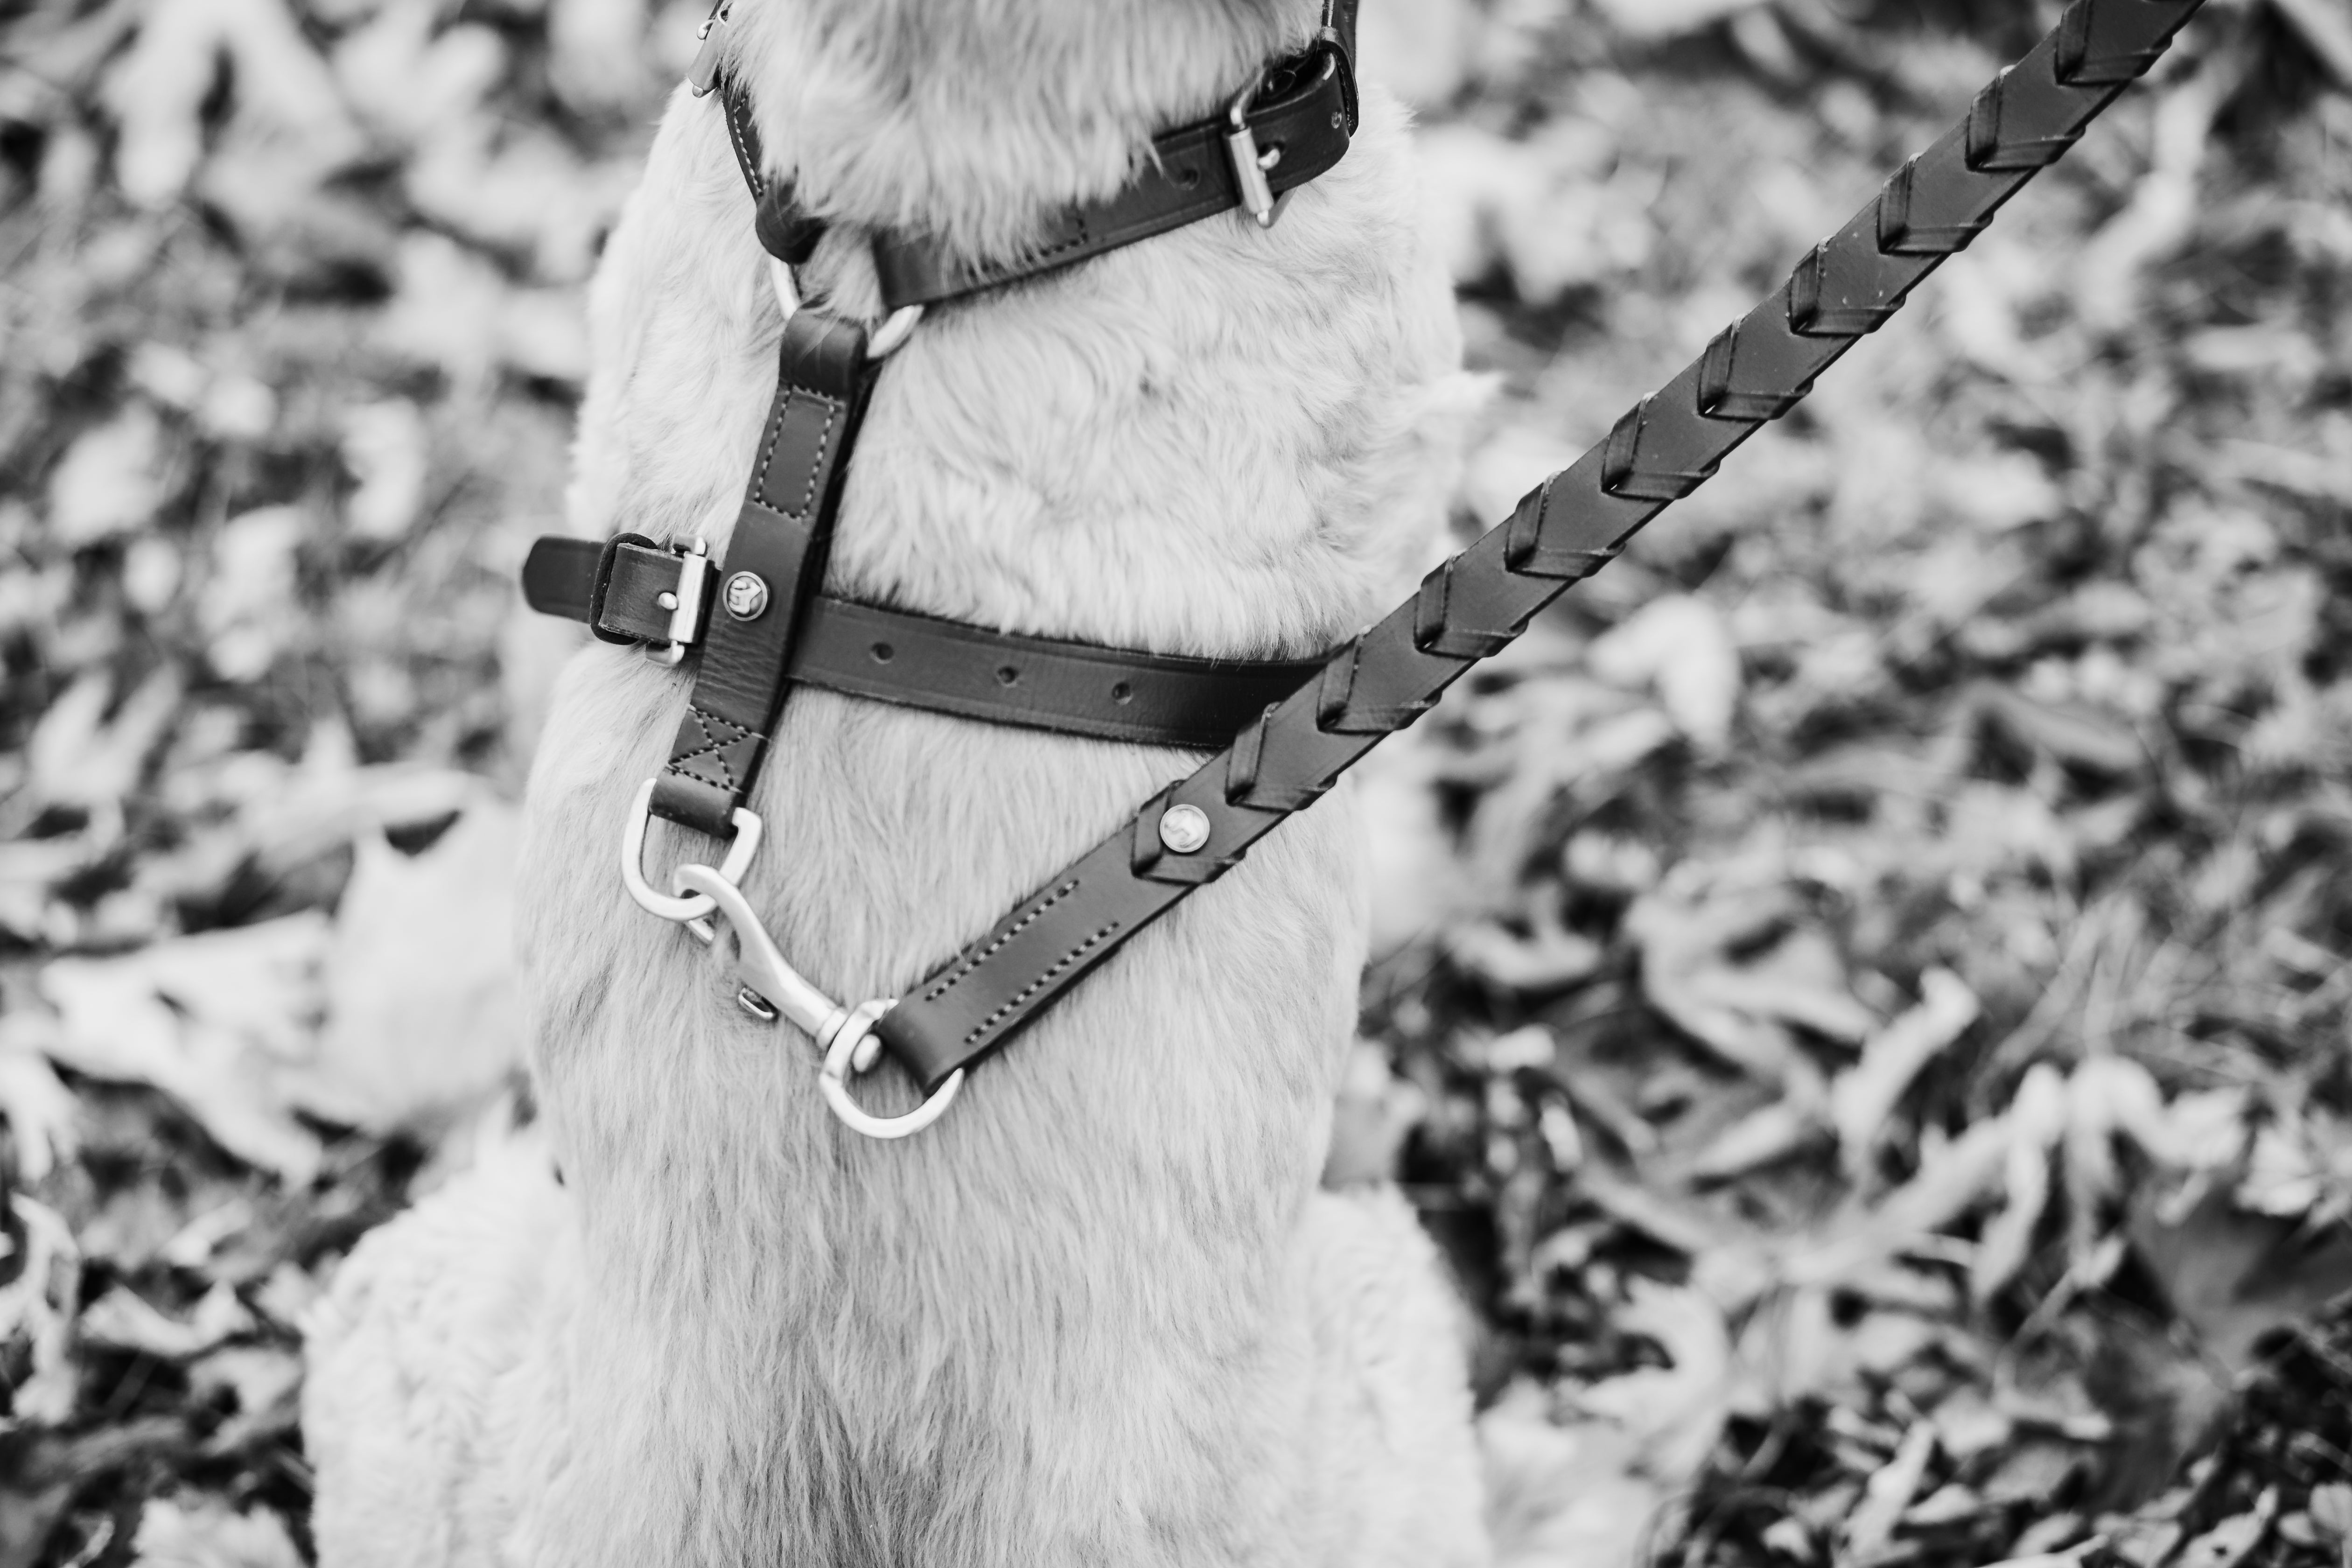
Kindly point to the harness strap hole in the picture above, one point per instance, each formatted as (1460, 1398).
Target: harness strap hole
(883, 653)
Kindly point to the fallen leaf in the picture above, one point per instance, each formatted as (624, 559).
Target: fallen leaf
(1676, 1412)
(121, 1319)
(214, 1021)
(2037, 1119)
(1682, 647)
(110, 481)
(1889, 1493)
(200, 1533)
(38, 1306)
(384, 446)
(1863, 1098)
(42, 1113)
(2229, 1543)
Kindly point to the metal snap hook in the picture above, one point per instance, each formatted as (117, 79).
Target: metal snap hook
(854, 1048)
(846, 1036)
(748, 831)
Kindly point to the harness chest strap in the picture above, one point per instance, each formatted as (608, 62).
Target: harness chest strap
(632, 590)
(1564, 531)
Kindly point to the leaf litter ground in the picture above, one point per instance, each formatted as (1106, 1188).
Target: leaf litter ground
(1861, 992)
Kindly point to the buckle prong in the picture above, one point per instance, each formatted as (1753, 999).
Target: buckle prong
(1249, 164)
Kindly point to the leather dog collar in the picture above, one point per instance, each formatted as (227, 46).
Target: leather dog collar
(635, 591)
(1289, 125)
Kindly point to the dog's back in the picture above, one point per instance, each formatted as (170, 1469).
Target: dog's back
(1098, 1312)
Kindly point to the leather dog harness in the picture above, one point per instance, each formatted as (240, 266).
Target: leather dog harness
(1292, 727)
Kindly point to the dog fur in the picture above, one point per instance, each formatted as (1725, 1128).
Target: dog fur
(1098, 1313)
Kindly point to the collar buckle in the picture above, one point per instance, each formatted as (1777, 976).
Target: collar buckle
(703, 74)
(1250, 166)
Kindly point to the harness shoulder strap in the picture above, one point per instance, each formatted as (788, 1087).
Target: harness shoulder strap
(774, 561)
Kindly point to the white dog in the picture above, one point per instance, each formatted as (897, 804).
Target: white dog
(1099, 1312)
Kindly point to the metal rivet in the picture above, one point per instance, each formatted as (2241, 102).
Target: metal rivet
(666, 600)
(1183, 828)
(746, 595)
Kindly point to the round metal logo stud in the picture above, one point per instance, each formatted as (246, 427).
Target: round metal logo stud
(746, 595)
(1183, 828)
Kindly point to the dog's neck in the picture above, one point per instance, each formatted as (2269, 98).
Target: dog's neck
(969, 119)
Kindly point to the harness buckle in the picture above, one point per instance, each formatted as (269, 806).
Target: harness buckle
(844, 1035)
(703, 74)
(689, 605)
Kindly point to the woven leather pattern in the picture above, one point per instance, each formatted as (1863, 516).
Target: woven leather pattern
(1563, 531)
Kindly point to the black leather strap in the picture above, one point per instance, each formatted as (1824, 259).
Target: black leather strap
(774, 561)
(922, 661)
(1303, 116)
(1562, 533)
(1299, 123)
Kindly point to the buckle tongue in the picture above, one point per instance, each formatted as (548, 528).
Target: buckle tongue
(693, 578)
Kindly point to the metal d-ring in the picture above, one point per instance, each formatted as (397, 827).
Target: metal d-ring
(896, 329)
(748, 829)
(846, 1036)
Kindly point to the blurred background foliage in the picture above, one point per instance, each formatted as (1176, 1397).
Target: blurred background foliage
(1862, 986)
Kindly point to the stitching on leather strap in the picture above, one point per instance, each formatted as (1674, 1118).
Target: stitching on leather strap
(1039, 983)
(974, 960)
(716, 750)
(823, 446)
(743, 153)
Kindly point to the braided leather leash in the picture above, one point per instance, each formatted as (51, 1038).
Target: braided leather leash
(1563, 531)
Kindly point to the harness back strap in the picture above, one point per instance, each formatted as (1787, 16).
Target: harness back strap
(1564, 531)
(775, 559)
(923, 662)
(1293, 126)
